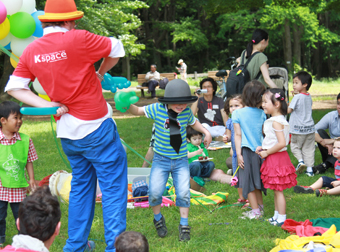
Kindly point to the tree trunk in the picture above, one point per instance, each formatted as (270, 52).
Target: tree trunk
(297, 31)
(287, 47)
(7, 71)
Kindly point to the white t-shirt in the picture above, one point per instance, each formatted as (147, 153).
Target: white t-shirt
(270, 138)
(301, 121)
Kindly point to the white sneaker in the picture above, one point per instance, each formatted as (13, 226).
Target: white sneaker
(301, 167)
(230, 172)
(250, 215)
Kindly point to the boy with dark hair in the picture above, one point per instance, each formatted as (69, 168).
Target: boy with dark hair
(171, 117)
(198, 158)
(38, 222)
(131, 242)
(301, 123)
(17, 152)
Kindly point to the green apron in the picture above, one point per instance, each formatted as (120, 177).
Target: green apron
(13, 160)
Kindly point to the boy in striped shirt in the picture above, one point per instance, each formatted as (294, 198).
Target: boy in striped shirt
(168, 158)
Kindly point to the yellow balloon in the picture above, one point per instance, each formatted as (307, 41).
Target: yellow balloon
(4, 29)
(45, 97)
(14, 63)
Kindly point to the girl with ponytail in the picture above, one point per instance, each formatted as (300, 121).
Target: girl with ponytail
(258, 63)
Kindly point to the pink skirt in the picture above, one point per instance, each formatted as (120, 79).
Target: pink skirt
(278, 172)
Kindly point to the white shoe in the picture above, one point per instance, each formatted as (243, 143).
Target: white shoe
(250, 215)
(301, 167)
(230, 172)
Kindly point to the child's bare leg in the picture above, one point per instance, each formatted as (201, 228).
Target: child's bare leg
(317, 184)
(275, 201)
(220, 176)
(334, 191)
(280, 202)
(184, 212)
(259, 197)
(156, 209)
(239, 190)
(253, 200)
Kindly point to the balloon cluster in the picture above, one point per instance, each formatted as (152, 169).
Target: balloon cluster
(112, 83)
(19, 25)
(123, 100)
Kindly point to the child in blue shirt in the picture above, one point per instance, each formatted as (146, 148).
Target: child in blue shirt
(171, 118)
(248, 122)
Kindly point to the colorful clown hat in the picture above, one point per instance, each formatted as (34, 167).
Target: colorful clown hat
(60, 10)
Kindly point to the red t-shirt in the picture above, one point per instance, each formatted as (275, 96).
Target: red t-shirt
(63, 63)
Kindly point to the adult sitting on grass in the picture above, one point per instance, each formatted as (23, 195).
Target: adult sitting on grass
(325, 142)
(38, 222)
(210, 109)
(332, 183)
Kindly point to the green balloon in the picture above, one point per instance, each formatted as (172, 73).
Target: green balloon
(22, 25)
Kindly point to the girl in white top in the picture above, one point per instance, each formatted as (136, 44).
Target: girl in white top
(277, 171)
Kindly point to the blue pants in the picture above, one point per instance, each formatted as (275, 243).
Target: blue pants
(201, 169)
(161, 167)
(98, 155)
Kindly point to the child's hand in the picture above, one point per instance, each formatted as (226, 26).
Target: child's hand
(32, 184)
(335, 183)
(199, 152)
(258, 150)
(240, 161)
(263, 154)
(226, 139)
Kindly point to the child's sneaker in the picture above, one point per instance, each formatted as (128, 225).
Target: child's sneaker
(276, 223)
(160, 227)
(303, 189)
(320, 192)
(309, 174)
(90, 246)
(184, 233)
(230, 172)
(301, 167)
(250, 215)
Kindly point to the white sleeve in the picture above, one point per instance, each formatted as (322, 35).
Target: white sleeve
(15, 83)
(117, 50)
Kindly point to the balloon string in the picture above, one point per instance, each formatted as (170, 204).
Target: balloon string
(9, 53)
(139, 155)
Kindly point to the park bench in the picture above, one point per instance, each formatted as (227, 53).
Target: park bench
(141, 80)
(212, 74)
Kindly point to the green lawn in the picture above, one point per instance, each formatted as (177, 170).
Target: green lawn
(239, 235)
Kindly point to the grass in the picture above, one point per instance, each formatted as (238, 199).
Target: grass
(239, 235)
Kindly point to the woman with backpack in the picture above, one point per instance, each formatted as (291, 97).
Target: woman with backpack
(257, 66)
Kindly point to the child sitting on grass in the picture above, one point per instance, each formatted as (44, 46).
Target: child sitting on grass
(197, 157)
(171, 116)
(17, 153)
(324, 181)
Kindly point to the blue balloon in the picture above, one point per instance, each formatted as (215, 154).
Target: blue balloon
(38, 28)
(112, 83)
(8, 46)
(38, 111)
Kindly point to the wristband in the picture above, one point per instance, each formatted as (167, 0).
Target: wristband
(100, 76)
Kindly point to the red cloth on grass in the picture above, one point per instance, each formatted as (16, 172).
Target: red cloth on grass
(302, 228)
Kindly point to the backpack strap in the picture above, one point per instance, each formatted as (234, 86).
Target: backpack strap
(245, 66)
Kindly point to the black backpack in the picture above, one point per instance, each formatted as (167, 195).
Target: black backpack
(238, 77)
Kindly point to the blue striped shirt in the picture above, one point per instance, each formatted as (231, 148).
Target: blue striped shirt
(159, 113)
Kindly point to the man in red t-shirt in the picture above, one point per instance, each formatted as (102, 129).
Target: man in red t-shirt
(63, 61)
